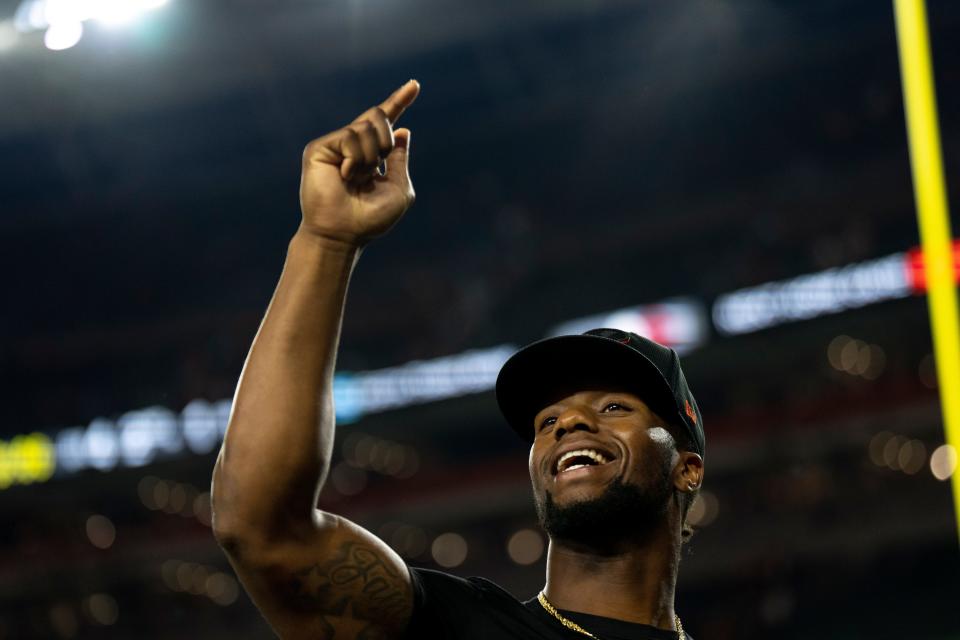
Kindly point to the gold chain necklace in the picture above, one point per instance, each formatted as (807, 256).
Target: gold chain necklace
(573, 626)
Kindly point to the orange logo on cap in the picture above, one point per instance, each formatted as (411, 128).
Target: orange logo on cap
(690, 412)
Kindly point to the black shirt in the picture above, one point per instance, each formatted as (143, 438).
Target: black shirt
(445, 606)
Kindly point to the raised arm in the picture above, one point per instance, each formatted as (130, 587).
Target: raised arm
(313, 574)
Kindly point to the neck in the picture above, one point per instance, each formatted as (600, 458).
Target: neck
(633, 582)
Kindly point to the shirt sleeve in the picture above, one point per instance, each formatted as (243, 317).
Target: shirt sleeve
(441, 604)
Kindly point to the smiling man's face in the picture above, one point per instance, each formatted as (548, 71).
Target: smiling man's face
(601, 461)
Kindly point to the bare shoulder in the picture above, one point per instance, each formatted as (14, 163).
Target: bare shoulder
(334, 580)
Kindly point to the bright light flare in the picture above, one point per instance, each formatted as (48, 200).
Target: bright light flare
(63, 35)
(30, 16)
(57, 12)
(115, 13)
(62, 19)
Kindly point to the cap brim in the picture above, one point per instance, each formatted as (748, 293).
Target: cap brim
(551, 369)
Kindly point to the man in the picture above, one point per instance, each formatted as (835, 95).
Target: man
(616, 453)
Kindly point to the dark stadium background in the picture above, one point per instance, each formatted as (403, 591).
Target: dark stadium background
(570, 158)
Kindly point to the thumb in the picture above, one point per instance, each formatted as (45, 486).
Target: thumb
(398, 166)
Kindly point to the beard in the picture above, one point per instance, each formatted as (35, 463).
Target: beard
(623, 512)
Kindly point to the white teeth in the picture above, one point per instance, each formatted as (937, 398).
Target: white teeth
(593, 454)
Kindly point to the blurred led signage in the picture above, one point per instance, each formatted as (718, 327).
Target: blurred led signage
(812, 295)
(679, 323)
(140, 437)
(915, 270)
(830, 291)
(355, 394)
(26, 459)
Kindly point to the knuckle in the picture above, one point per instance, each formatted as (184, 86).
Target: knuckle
(351, 141)
(317, 148)
(379, 116)
(367, 134)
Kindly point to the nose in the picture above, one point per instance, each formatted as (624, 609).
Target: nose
(574, 419)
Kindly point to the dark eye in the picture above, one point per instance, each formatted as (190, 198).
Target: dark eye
(615, 406)
(548, 422)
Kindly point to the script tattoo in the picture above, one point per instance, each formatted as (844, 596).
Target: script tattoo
(355, 588)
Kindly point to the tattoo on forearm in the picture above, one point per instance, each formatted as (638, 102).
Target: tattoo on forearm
(355, 584)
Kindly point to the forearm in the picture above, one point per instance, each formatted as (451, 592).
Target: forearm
(278, 443)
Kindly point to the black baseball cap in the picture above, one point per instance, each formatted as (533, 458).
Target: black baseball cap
(546, 371)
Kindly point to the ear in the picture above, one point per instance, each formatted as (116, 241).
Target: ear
(688, 472)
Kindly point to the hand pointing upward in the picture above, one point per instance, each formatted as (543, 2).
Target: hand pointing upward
(343, 194)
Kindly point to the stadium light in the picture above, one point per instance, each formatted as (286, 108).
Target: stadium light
(63, 19)
(62, 35)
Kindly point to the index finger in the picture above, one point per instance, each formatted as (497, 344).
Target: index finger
(397, 103)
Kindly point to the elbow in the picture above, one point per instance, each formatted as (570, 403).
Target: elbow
(245, 515)
(229, 542)
(236, 526)
(228, 528)
(235, 535)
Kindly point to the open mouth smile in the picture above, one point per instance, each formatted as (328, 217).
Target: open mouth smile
(582, 461)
